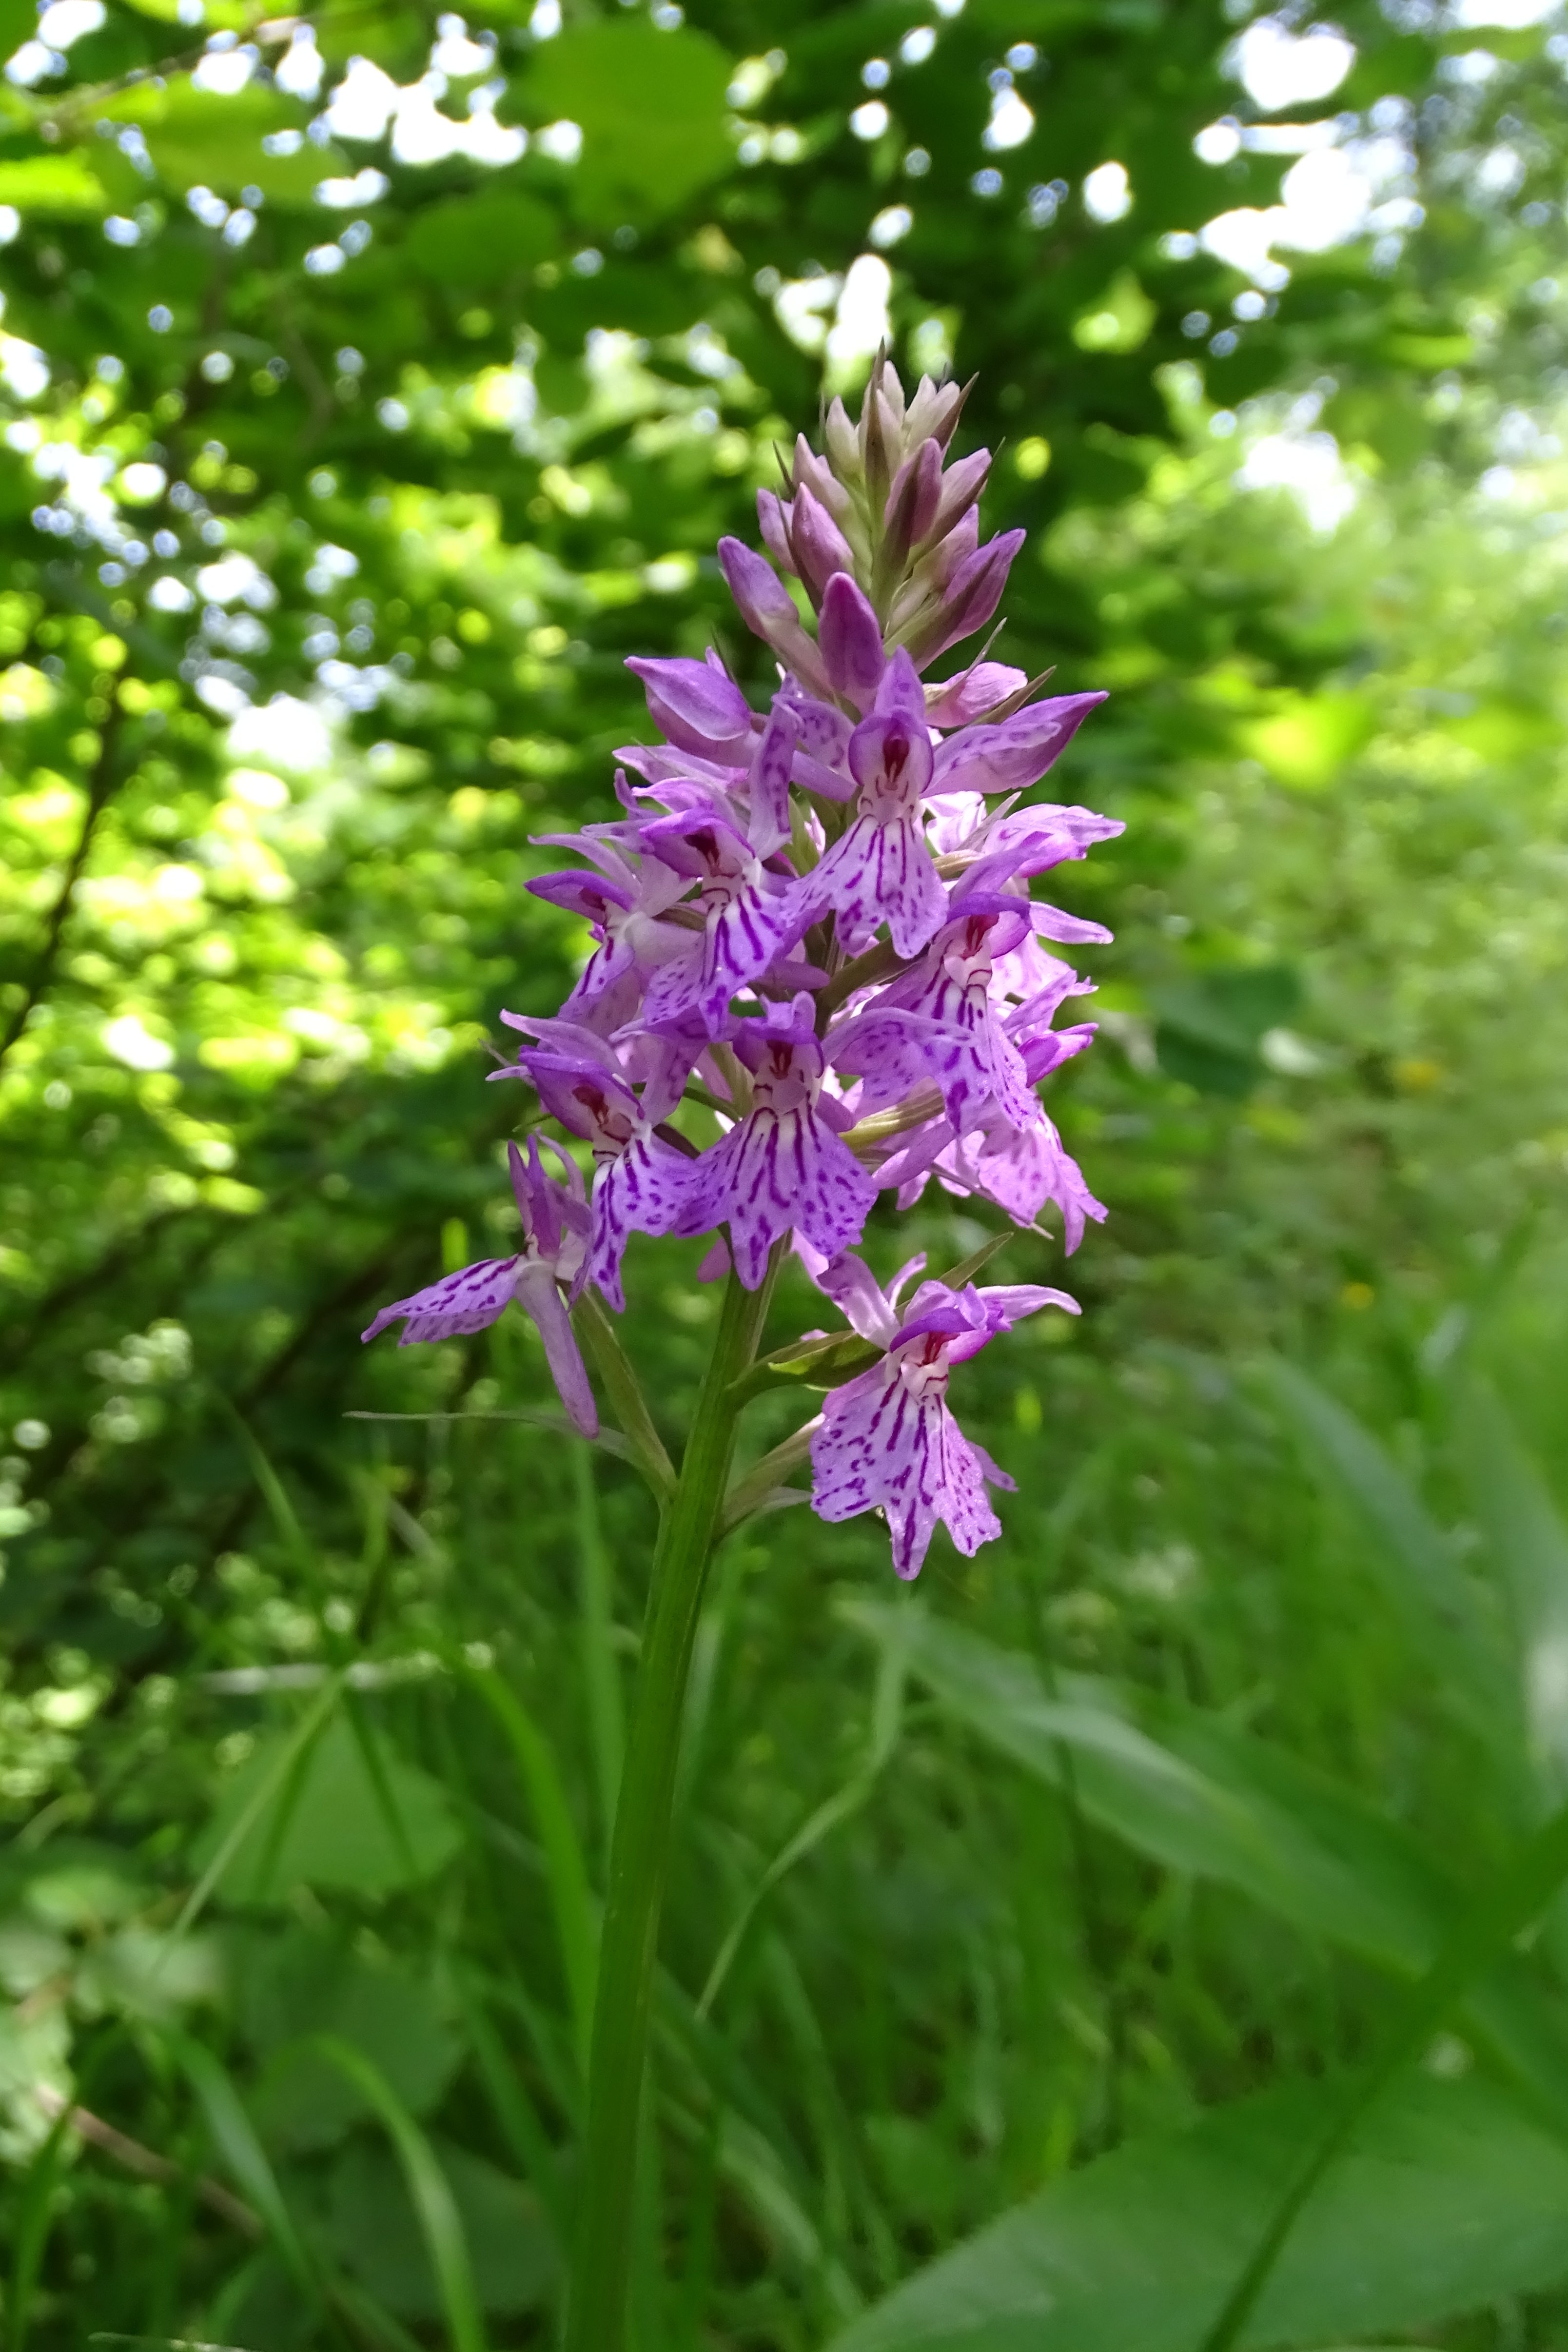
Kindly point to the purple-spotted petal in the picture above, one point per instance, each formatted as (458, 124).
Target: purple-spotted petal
(778, 1172)
(469, 1301)
(879, 871)
(542, 1302)
(644, 1190)
(884, 1446)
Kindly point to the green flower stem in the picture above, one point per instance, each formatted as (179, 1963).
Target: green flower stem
(640, 1852)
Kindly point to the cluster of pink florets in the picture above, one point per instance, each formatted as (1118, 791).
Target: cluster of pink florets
(814, 922)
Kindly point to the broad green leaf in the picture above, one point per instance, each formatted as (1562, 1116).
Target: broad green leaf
(327, 1823)
(370, 2226)
(651, 107)
(1202, 1811)
(57, 187)
(1210, 1024)
(1201, 1797)
(1451, 2198)
(1512, 1901)
(299, 1985)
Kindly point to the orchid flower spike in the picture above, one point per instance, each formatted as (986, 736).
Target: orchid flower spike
(818, 970)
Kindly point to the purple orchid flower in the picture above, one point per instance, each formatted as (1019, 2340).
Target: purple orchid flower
(782, 1168)
(1015, 752)
(624, 907)
(555, 1227)
(858, 803)
(1018, 1169)
(960, 702)
(768, 610)
(887, 1439)
(640, 1181)
(939, 1025)
(849, 641)
(751, 918)
(882, 867)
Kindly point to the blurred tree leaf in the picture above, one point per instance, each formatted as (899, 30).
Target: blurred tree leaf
(293, 1986)
(651, 108)
(1120, 321)
(481, 239)
(1307, 742)
(331, 1823)
(198, 138)
(59, 187)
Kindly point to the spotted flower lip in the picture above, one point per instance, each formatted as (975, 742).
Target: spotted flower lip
(782, 1166)
(887, 1439)
(815, 962)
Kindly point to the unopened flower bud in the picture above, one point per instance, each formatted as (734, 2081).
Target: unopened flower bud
(884, 442)
(971, 596)
(909, 512)
(811, 473)
(843, 445)
(923, 589)
(774, 522)
(885, 379)
(849, 639)
(935, 411)
(820, 547)
(960, 487)
(768, 610)
(698, 705)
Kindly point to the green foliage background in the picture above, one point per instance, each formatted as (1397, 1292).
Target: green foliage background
(311, 1725)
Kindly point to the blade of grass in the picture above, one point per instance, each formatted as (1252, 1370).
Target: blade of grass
(556, 1423)
(524, 2133)
(234, 2135)
(31, 2230)
(376, 1771)
(763, 1488)
(1528, 1539)
(429, 2193)
(1515, 1898)
(886, 1719)
(576, 1925)
(1422, 1570)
